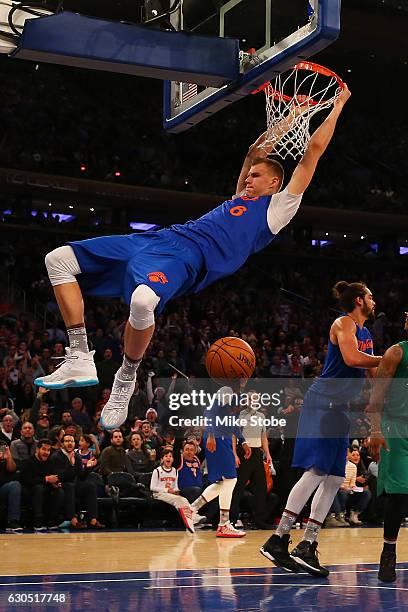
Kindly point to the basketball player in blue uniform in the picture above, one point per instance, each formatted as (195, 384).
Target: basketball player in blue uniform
(323, 431)
(149, 269)
(221, 461)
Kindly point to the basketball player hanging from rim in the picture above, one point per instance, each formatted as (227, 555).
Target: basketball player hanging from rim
(149, 269)
(323, 430)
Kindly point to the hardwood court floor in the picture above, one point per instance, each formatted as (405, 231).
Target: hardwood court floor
(115, 551)
(178, 572)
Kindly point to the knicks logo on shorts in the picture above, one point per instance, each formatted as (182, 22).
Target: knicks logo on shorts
(157, 277)
(238, 211)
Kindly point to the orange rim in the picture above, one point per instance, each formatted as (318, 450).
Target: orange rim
(311, 67)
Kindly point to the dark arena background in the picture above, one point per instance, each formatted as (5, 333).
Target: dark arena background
(84, 153)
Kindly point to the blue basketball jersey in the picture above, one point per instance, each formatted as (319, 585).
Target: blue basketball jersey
(183, 258)
(227, 236)
(349, 381)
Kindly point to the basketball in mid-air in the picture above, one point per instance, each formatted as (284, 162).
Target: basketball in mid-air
(230, 358)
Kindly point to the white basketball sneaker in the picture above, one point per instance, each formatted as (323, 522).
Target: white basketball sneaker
(115, 411)
(75, 370)
(187, 517)
(228, 531)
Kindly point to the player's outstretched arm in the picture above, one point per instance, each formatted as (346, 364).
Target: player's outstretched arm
(344, 329)
(318, 143)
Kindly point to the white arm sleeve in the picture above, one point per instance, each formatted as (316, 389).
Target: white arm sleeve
(282, 209)
(155, 485)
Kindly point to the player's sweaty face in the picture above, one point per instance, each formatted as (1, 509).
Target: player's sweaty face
(259, 181)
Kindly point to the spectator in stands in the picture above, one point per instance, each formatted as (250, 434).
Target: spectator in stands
(26, 446)
(137, 426)
(58, 352)
(10, 489)
(164, 486)
(158, 398)
(39, 406)
(160, 364)
(138, 457)
(56, 435)
(7, 433)
(105, 395)
(190, 478)
(166, 440)
(151, 416)
(88, 448)
(106, 370)
(138, 404)
(80, 415)
(43, 487)
(25, 396)
(350, 496)
(151, 439)
(278, 369)
(66, 418)
(73, 477)
(74, 430)
(42, 426)
(113, 457)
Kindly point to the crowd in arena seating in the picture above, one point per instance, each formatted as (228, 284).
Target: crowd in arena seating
(52, 442)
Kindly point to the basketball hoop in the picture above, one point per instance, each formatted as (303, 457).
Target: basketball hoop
(292, 99)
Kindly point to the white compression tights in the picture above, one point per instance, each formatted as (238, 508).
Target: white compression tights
(327, 487)
(62, 267)
(223, 489)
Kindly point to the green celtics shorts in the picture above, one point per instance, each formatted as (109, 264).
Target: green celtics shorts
(393, 466)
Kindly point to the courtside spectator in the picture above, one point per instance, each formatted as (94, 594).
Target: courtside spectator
(10, 489)
(43, 487)
(350, 495)
(88, 448)
(113, 457)
(190, 479)
(77, 488)
(164, 487)
(138, 457)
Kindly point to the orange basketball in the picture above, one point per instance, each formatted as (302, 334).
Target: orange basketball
(230, 358)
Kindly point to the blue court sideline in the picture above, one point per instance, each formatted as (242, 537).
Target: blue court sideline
(349, 587)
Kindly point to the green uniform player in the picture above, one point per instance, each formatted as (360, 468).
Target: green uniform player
(389, 445)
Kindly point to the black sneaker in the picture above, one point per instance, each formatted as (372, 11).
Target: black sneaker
(39, 528)
(388, 560)
(276, 550)
(14, 527)
(305, 554)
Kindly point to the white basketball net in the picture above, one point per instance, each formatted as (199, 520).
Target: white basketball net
(291, 100)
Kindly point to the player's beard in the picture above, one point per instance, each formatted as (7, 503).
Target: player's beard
(369, 313)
